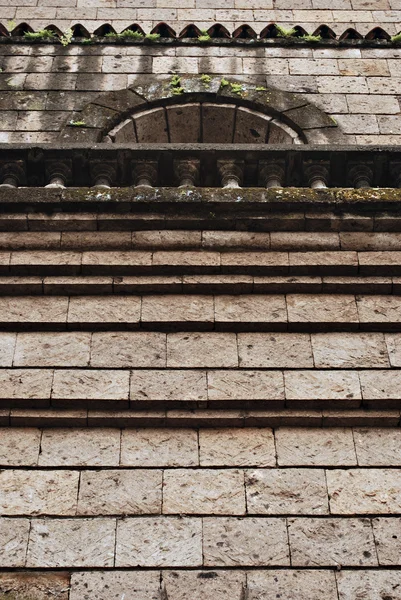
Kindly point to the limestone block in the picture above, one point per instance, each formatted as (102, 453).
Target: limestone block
(19, 447)
(378, 447)
(186, 349)
(387, 534)
(218, 123)
(369, 584)
(382, 386)
(237, 447)
(110, 492)
(33, 309)
(132, 349)
(151, 126)
(315, 447)
(379, 309)
(251, 127)
(115, 585)
(341, 386)
(286, 491)
(106, 262)
(261, 262)
(38, 586)
(159, 542)
(7, 345)
(331, 542)
(71, 543)
(364, 491)
(173, 308)
(13, 542)
(393, 342)
(159, 448)
(104, 309)
(249, 541)
(222, 585)
(179, 385)
(322, 308)
(275, 350)
(80, 447)
(246, 385)
(251, 309)
(349, 350)
(26, 384)
(52, 349)
(204, 491)
(184, 123)
(186, 259)
(338, 263)
(38, 492)
(290, 584)
(77, 385)
(304, 240)
(240, 240)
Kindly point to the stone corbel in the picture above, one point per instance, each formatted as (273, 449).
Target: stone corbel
(12, 175)
(144, 173)
(271, 174)
(231, 173)
(186, 172)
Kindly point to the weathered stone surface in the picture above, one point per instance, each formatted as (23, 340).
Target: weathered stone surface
(331, 542)
(368, 584)
(13, 542)
(19, 447)
(38, 492)
(53, 349)
(26, 384)
(71, 543)
(322, 308)
(349, 350)
(107, 385)
(182, 385)
(378, 447)
(323, 385)
(382, 386)
(7, 345)
(315, 447)
(250, 309)
(364, 491)
(131, 349)
(127, 492)
(275, 350)
(204, 491)
(286, 491)
(249, 541)
(35, 586)
(115, 585)
(202, 350)
(246, 385)
(387, 532)
(104, 309)
(159, 448)
(159, 542)
(379, 309)
(393, 342)
(237, 447)
(291, 584)
(224, 585)
(80, 447)
(33, 309)
(173, 308)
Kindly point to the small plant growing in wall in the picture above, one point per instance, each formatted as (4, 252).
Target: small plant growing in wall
(77, 123)
(206, 79)
(66, 38)
(224, 83)
(152, 37)
(396, 39)
(204, 37)
(41, 35)
(312, 39)
(175, 83)
(285, 33)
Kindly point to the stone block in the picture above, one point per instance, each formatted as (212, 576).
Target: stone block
(159, 448)
(19, 447)
(387, 533)
(266, 386)
(218, 123)
(80, 447)
(196, 350)
(132, 349)
(255, 262)
(379, 309)
(106, 263)
(33, 310)
(378, 447)
(315, 447)
(71, 543)
(106, 387)
(166, 239)
(165, 385)
(322, 308)
(38, 492)
(209, 260)
(235, 240)
(286, 491)
(371, 584)
(151, 126)
(331, 542)
(349, 350)
(224, 585)
(237, 447)
(269, 350)
(23, 586)
(7, 346)
(245, 542)
(251, 309)
(26, 386)
(122, 492)
(14, 535)
(184, 123)
(104, 309)
(393, 343)
(334, 387)
(251, 127)
(364, 491)
(288, 584)
(204, 491)
(159, 542)
(53, 349)
(176, 309)
(115, 585)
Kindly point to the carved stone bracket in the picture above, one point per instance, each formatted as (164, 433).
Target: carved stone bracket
(186, 172)
(231, 173)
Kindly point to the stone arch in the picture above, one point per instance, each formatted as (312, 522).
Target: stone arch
(155, 110)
